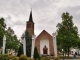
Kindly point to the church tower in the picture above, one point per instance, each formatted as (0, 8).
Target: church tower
(30, 24)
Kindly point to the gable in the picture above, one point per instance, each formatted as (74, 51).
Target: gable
(44, 35)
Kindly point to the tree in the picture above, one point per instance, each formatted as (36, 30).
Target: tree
(67, 33)
(36, 55)
(28, 39)
(2, 23)
(11, 39)
(2, 30)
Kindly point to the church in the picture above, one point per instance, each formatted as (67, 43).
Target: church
(44, 41)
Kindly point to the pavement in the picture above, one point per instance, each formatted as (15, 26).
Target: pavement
(77, 58)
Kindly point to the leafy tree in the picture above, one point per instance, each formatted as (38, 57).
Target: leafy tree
(11, 39)
(36, 55)
(1, 36)
(2, 23)
(2, 30)
(28, 39)
(67, 33)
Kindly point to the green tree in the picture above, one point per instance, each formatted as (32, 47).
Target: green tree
(36, 54)
(11, 39)
(2, 30)
(28, 39)
(2, 23)
(67, 33)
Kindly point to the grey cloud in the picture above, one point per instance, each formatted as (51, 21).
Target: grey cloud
(73, 11)
(8, 17)
(19, 23)
(46, 13)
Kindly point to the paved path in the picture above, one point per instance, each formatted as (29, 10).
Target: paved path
(78, 58)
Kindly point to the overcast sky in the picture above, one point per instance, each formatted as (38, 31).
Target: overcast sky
(46, 14)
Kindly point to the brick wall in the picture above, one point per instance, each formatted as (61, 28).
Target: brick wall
(44, 35)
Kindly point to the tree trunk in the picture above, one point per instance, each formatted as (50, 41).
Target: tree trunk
(68, 51)
(65, 52)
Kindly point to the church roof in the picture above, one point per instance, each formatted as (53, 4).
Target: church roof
(44, 34)
(30, 17)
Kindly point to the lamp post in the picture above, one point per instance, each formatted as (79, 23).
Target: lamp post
(54, 44)
(4, 42)
(33, 45)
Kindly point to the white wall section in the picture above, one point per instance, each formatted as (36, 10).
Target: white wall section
(44, 42)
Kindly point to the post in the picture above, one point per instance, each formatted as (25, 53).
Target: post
(24, 46)
(33, 45)
(4, 42)
(55, 44)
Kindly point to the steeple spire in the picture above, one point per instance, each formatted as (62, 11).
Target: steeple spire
(30, 17)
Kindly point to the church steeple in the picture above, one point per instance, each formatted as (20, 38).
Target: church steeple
(30, 17)
(30, 24)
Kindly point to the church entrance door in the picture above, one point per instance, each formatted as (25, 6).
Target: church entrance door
(45, 50)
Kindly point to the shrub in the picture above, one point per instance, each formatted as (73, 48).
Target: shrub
(56, 58)
(15, 58)
(45, 58)
(36, 55)
(23, 57)
(20, 51)
(4, 57)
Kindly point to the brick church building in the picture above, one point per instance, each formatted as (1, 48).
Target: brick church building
(44, 41)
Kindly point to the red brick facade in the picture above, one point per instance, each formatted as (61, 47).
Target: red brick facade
(30, 27)
(44, 35)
